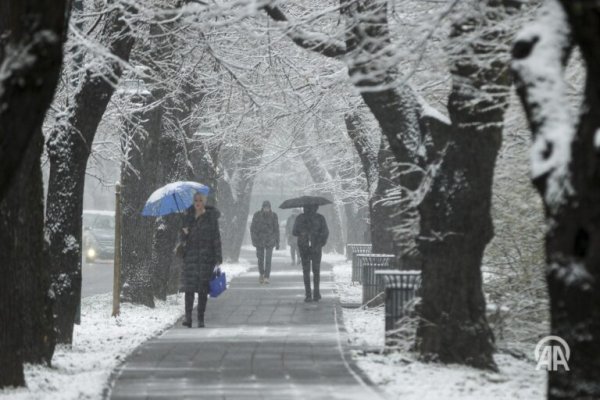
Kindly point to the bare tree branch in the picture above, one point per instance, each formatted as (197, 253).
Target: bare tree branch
(313, 41)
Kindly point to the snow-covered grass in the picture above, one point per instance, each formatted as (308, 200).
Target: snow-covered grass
(401, 375)
(100, 344)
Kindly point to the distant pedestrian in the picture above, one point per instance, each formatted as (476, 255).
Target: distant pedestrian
(291, 240)
(311, 230)
(264, 232)
(201, 254)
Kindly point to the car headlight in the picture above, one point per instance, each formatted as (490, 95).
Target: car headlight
(91, 253)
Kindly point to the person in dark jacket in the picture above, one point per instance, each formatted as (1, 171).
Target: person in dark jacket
(311, 230)
(202, 253)
(264, 232)
(289, 226)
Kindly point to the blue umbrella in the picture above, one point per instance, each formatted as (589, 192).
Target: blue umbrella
(175, 197)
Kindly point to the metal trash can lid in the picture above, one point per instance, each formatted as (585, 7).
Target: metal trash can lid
(410, 272)
(384, 256)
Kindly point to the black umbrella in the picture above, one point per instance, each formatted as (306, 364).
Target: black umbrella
(302, 201)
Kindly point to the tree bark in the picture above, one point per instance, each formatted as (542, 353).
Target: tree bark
(29, 251)
(385, 217)
(234, 199)
(566, 173)
(358, 215)
(173, 167)
(30, 61)
(69, 146)
(138, 180)
(456, 221)
(27, 336)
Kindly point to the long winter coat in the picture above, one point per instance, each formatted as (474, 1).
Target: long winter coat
(311, 230)
(264, 229)
(202, 249)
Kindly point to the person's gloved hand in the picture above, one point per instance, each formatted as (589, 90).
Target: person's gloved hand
(277, 246)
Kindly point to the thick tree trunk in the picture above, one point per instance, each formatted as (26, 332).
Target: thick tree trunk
(235, 216)
(172, 166)
(69, 147)
(385, 217)
(234, 201)
(31, 58)
(456, 221)
(454, 326)
(11, 300)
(173, 158)
(566, 172)
(394, 225)
(358, 215)
(456, 163)
(25, 304)
(138, 180)
(29, 248)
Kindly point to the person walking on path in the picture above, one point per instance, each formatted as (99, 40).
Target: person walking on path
(264, 232)
(201, 254)
(311, 230)
(289, 226)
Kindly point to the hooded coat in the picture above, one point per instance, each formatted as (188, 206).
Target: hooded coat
(264, 229)
(311, 229)
(202, 249)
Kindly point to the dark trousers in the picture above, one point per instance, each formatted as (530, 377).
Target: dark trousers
(294, 251)
(311, 257)
(264, 255)
(189, 304)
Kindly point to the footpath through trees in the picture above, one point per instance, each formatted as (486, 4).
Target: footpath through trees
(261, 341)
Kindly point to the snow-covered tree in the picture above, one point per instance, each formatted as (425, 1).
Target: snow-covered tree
(447, 164)
(565, 170)
(31, 53)
(69, 147)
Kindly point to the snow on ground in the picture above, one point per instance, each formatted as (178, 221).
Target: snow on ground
(400, 375)
(100, 344)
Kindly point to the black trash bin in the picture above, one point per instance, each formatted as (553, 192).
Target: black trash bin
(355, 249)
(369, 263)
(400, 288)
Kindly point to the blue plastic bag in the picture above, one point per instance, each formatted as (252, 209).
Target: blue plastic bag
(217, 284)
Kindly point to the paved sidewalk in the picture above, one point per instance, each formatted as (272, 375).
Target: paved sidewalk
(261, 342)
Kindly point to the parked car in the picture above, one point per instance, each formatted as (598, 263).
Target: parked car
(98, 235)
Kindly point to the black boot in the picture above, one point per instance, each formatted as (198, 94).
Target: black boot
(307, 291)
(202, 299)
(316, 292)
(189, 305)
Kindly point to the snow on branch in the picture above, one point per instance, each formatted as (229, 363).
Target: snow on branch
(314, 41)
(540, 55)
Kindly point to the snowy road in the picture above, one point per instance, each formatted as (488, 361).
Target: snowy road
(97, 278)
(261, 342)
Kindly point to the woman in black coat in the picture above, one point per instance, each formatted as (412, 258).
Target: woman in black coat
(202, 253)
